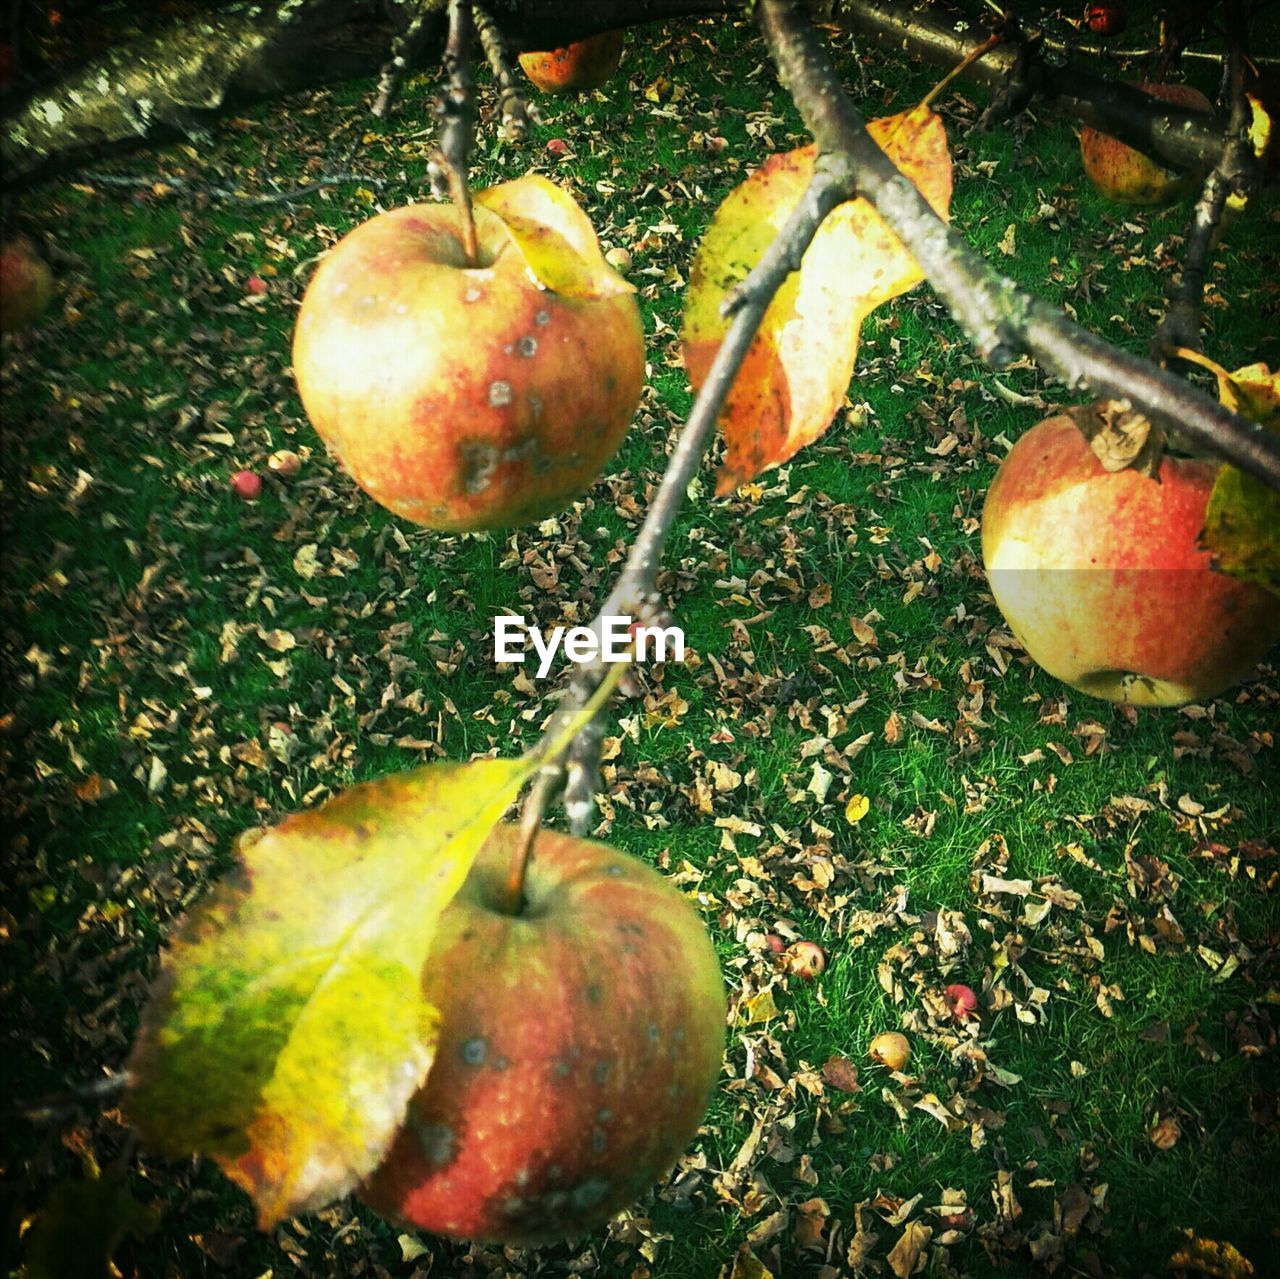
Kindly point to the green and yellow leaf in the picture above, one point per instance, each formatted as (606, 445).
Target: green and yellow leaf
(554, 236)
(1242, 524)
(798, 368)
(288, 1029)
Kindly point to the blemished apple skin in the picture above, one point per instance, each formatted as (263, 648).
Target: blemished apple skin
(1099, 575)
(575, 68)
(580, 1044)
(1127, 176)
(26, 284)
(459, 397)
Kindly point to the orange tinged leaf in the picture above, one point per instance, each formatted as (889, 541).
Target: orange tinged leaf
(798, 368)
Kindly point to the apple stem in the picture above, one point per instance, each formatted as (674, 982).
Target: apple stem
(461, 195)
(572, 718)
(530, 824)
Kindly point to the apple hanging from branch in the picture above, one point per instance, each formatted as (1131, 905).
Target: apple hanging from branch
(472, 394)
(576, 68)
(1099, 575)
(580, 1041)
(1127, 176)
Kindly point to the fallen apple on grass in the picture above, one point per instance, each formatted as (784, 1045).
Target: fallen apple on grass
(26, 284)
(891, 1049)
(806, 960)
(246, 485)
(580, 1041)
(576, 68)
(1127, 176)
(471, 395)
(1099, 575)
(961, 1002)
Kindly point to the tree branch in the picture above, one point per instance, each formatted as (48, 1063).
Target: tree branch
(176, 81)
(1232, 175)
(635, 594)
(1182, 139)
(512, 104)
(1001, 319)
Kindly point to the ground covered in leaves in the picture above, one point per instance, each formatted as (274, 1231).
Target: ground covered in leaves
(855, 752)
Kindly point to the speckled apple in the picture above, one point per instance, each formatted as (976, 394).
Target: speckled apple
(462, 397)
(581, 1040)
(576, 68)
(1100, 577)
(1127, 176)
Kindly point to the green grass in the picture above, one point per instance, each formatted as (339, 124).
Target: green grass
(105, 678)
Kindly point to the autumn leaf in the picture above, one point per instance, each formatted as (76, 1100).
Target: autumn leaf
(798, 368)
(907, 1255)
(1242, 524)
(857, 808)
(1211, 1258)
(256, 1047)
(759, 1008)
(554, 236)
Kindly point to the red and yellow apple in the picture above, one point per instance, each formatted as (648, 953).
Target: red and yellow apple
(1127, 176)
(578, 67)
(464, 396)
(26, 284)
(580, 1041)
(1099, 575)
(1106, 17)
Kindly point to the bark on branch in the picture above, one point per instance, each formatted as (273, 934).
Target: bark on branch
(175, 82)
(999, 317)
(1185, 140)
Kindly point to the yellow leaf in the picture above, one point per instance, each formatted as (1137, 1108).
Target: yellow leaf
(554, 236)
(1261, 126)
(256, 1047)
(1212, 1259)
(1242, 523)
(857, 808)
(798, 368)
(759, 1008)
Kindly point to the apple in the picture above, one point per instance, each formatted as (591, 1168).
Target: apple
(580, 1040)
(1106, 18)
(284, 462)
(1099, 575)
(26, 284)
(462, 397)
(890, 1049)
(1120, 173)
(578, 67)
(805, 959)
(246, 485)
(961, 1002)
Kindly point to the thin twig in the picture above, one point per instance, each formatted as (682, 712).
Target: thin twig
(1000, 318)
(57, 1107)
(512, 103)
(456, 113)
(404, 48)
(635, 593)
(1232, 175)
(131, 182)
